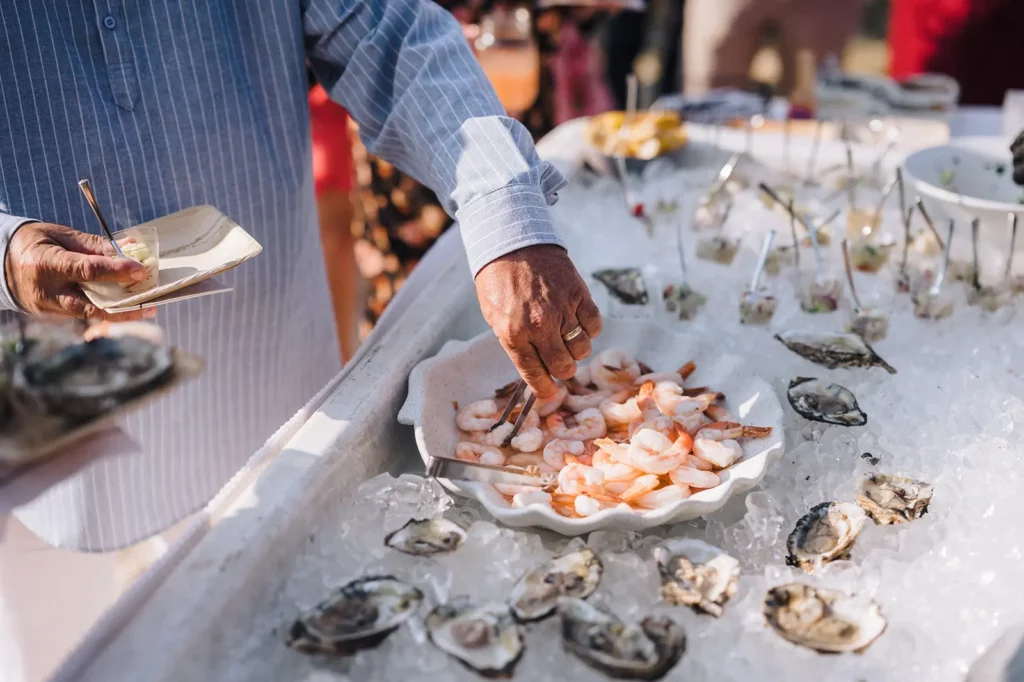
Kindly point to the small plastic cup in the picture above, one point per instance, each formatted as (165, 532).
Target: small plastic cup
(141, 245)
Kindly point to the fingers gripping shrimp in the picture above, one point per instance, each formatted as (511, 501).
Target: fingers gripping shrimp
(730, 430)
(583, 377)
(662, 497)
(719, 453)
(693, 478)
(613, 369)
(477, 452)
(620, 414)
(556, 450)
(478, 416)
(588, 424)
(652, 452)
(528, 440)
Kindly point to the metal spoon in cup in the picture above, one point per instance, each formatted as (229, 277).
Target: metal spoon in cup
(94, 205)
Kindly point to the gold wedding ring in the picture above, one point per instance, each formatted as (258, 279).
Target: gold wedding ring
(573, 333)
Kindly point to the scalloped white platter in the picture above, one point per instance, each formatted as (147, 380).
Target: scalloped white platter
(464, 371)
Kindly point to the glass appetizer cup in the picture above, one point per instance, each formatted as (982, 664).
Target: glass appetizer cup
(141, 245)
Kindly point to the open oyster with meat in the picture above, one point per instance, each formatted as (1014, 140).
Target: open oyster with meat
(52, 372)
(617, 435)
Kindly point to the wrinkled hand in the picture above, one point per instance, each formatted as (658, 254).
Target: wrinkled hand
(46, 262)
(532, 298)
(1017, 149)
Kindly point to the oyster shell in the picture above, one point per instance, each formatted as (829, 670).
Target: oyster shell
(85, 379)
(825, 402)
(423, 537)
(824, 620)
(536, 594)
(359, 615)
(833, 350)
(625, 284)
(644, 651)
(889, 499)
(824, 534)
(696, 574)
(483, 637)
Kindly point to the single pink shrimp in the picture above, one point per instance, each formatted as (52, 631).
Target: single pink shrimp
(730, 430)
(693, 478)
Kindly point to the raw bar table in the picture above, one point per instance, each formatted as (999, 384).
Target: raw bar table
(948, 417)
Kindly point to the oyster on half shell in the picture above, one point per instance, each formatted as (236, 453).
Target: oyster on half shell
(825, 402)
(833, 350)
(625, 284)
(889, 499)
(423, 537)
(824, 534)
(483, 637)
(696, 574)
(536, 595)
(85, 379)
(644, 651)
(359, 615)
(824, 620)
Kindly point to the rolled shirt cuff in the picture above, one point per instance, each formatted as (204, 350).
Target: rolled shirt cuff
(9, 224)
(510, 218)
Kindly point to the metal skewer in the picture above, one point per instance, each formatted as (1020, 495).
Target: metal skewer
(876, 217)
(851, 181)
(1012, 217)
(812, 162)
(928, 221)
(91, 198)
(762, 258)
(941, 276)
(796, 240)
(903, 196)
(976, 276)
(849, 276)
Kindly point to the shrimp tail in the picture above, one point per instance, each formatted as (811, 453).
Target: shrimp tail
(756, 431)
(686, 370)
(507, 390)
(695, 391)
(644, 369)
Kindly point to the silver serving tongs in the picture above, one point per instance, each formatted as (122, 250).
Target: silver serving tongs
(91, 198)
(462, 470)
(517, 394)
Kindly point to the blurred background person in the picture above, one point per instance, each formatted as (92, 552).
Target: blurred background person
(545, 68)
(333, 175)
(722, 37)
(977, 42)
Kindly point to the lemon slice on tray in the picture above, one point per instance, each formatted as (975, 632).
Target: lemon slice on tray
(650, 134)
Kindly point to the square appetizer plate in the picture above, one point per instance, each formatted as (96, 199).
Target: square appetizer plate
(195, 245)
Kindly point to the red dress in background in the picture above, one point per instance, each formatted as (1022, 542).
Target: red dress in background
(332, 147)
(980, 43)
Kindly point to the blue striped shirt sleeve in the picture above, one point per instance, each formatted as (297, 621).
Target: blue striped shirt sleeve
(403, 70)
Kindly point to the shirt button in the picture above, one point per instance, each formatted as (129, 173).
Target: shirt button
(110, 22)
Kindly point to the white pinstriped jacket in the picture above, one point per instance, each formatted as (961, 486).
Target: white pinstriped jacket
(166, 104)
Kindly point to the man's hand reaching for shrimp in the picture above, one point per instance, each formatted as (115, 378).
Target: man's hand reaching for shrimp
(532, 298)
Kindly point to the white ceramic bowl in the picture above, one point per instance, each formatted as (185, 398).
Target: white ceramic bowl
(470, 370)
(966, 182)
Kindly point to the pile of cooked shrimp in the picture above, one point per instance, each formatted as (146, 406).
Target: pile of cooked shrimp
(618, 434)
